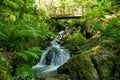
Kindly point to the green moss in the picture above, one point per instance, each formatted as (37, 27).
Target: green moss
(104, 66)
(4, 74)
(80, 65)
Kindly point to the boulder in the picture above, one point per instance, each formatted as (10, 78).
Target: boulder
(96, 64)
(104, 65)
(79, 67)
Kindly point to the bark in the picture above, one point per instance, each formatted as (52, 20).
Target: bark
(1, 1)
(22, 9)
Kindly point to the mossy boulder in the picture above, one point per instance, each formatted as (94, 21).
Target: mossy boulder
(96, 64)
(79, 67)
(104, 65)
(4, 74)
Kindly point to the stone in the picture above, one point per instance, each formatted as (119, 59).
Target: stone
(104, 65)
(79, 67)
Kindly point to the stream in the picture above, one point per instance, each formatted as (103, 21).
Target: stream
(52, 57)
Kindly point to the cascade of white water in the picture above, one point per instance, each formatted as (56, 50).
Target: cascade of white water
(55, 55)
(52, 57)
(61, 33)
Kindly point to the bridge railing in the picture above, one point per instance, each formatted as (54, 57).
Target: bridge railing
(75, 10)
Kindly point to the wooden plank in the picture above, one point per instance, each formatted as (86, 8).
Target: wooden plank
(66, 17)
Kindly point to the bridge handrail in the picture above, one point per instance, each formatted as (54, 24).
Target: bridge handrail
(67, 10)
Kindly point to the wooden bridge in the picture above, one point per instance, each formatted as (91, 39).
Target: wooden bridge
(66, 12)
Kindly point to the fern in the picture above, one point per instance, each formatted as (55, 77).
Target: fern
(30, 53)
(2, 36)
(35, 49)
(22, 55)
(15, 34)
(24, 72)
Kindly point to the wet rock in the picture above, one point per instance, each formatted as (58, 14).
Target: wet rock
(51, 76)
(48, 43)
(42, 79)
(49, 57)
(51, 52)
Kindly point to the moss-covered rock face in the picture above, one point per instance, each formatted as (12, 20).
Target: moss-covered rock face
(79, 67)
(4, 74)
(104, 65)
(95, 65)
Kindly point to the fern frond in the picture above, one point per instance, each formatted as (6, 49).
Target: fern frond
(31, 54)
(24, 71)
(2, 36)
(23, 55)
(35, 49)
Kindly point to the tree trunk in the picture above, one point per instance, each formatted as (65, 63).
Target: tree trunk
(22, 9)
(1, 1)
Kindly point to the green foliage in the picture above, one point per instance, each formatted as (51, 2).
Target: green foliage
(17, 4)
(20, 40)
(112, 32)
(11, 4)
(76, 38)
(15, 36)
(24, 72)
(30, 53)
(113, 27)
(29, 8)
(4, 73)
(3, 61)
(116, 76)
(23, 38)
(95, 19)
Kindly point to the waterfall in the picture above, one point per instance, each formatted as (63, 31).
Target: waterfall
(61, 33)
(52, 57)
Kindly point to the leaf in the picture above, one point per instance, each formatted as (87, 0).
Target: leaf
(2, 36)
(31, 54)
(24, 71)
(23, 55)
(35, 50)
